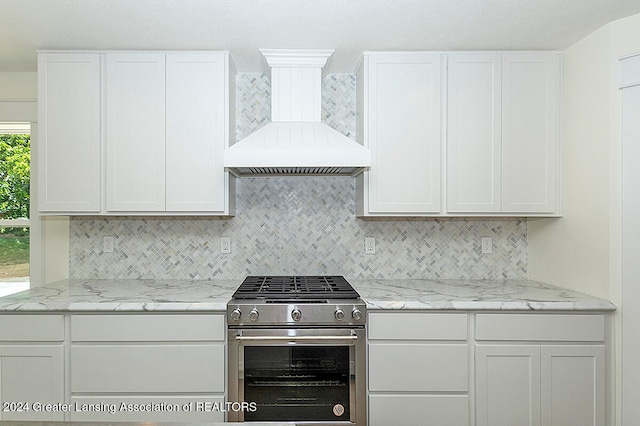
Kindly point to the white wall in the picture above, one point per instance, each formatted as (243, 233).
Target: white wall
(582, 250)
(573, 251)
(18, 86)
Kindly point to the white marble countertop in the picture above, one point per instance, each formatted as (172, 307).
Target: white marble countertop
(124, 295)
(517, 295)
(185, 295)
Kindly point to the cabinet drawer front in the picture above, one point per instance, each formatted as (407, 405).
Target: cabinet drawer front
(176, 408)
(35, 328)
(147, 368)
(418, 367)
(399, 326)
(414, 410)
(147, 327)
(538, 327)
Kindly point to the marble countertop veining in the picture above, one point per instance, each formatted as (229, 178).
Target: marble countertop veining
(124, 295)
(212, 295)
(450, 294)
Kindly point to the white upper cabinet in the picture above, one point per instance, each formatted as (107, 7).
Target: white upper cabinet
(135, 132)
(68, 150)
(503, 133)
(399, 100)
(157, 147)
(196, 116)
(474, 134)
(530, 138)
(495, 115)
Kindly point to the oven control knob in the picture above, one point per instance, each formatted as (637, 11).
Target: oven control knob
(296, 315)
(253, 315)
(356, 314)
(236, 314)
(338, 314)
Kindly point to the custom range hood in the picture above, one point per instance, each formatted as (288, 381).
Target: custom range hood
(296, 141)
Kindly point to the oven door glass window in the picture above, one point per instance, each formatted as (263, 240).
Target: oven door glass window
(298, 382)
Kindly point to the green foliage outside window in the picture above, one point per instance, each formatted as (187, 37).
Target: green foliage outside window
(14, 178)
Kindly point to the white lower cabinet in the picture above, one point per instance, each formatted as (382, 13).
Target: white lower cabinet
(551, 372)
(147, 367)
(418, 369)
(573, 385)
(31, 366)
(508, 385)
(440, 410)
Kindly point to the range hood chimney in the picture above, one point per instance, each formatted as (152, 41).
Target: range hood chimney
(296, 141)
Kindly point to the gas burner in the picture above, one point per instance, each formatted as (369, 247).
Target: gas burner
(301, 300)
(295, 288)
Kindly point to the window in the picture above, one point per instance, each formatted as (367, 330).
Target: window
(15, 156)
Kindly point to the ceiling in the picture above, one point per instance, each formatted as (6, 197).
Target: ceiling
(348, 26)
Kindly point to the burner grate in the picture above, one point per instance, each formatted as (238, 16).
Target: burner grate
(295, 287)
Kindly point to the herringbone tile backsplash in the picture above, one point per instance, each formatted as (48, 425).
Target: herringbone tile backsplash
(297, 225)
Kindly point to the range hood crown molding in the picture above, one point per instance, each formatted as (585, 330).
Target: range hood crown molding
(296, 141)
(294, 58)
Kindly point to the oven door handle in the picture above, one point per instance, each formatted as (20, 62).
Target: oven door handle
(294, 338)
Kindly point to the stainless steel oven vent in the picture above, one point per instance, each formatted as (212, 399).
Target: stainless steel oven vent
(296, 171)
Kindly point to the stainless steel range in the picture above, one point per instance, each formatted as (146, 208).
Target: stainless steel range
(296, 351)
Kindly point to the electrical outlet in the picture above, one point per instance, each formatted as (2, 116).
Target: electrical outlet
(369, 245)
(108, 243)
(487, 245)
(225, 245)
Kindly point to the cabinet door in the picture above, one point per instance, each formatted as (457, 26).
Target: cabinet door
(404, 132)
(196, 132)
(474, 133)
(573, 385)
(31, 374)
(530, 139)
(69, 132)
(508, 385)
(135, 132)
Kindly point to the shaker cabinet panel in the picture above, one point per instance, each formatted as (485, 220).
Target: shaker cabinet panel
(474, 134)
(401, 99)
(196, 118)
(31, 374)
(573, 385)
(531, 113)
(68, 151)
(498, 153)
(508, 385)
(135, 174)
(550, 383)
(134, 133)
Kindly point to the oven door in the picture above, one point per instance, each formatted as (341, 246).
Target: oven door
(316, 376)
